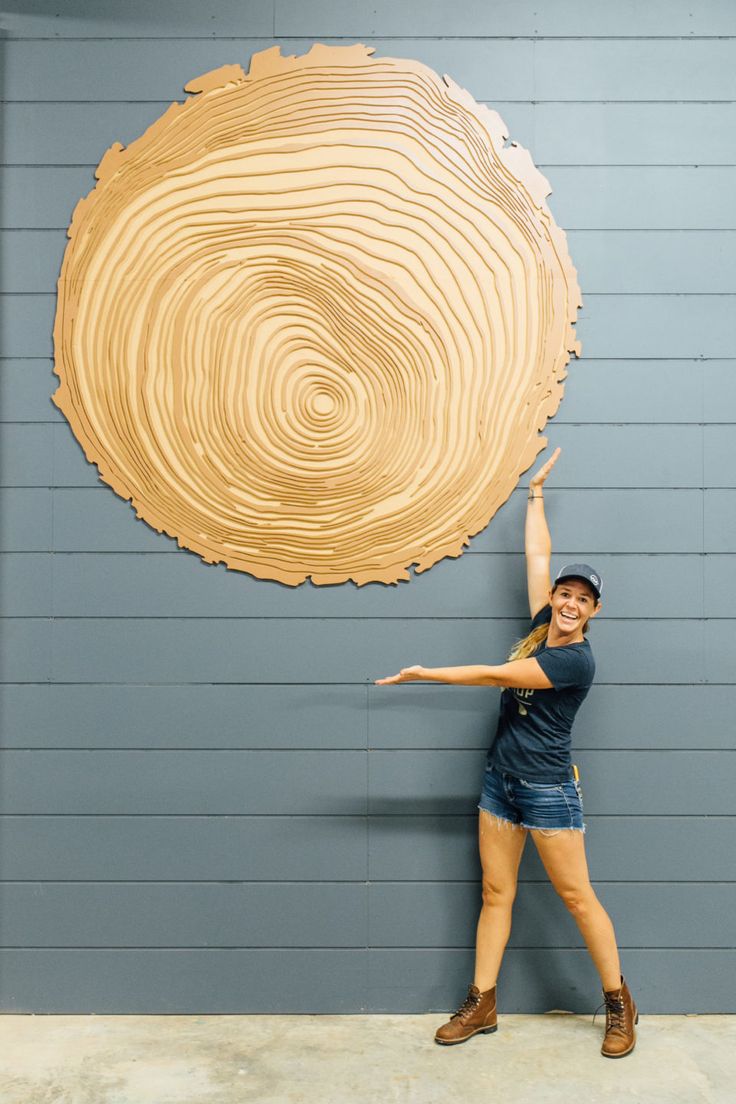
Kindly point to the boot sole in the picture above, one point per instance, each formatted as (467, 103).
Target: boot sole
(623, 1052)
(478, 1031)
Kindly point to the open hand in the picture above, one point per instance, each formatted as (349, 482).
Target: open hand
(406, 674)
(537, 480)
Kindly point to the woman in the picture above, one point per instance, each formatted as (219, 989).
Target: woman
(531, 785)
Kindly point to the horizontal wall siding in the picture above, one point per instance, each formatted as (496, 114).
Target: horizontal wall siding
(560, 133)
(38, 454)
(345, 783)
(201, 788)
(614, 326)
(235, 18)
(674, 262)
(322, 716)
(503, 70)
(340, 914)
(47, 584)
(280, 650)
(585, 197)
(670, 390)
(404, 847)
(606, 520)
(241, 980)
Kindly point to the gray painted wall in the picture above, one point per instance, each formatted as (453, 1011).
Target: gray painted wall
(206, 804)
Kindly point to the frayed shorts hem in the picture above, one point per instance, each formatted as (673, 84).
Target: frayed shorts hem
(547, 831)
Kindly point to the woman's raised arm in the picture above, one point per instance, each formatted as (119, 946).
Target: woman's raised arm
(537, 541)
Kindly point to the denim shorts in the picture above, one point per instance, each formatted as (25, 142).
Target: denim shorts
(532, 804)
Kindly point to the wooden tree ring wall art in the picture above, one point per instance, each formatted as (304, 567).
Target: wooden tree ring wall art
(312, 322)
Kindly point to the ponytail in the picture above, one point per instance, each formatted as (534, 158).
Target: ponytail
(526, 647)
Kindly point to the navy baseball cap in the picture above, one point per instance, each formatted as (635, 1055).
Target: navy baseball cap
(581, 571)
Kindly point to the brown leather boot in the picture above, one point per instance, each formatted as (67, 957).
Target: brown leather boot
(477, 1013)
(621, 1015)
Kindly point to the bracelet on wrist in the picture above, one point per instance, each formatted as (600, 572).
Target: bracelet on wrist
(530, 496)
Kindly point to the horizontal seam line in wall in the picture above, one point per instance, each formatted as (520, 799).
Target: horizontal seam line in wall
(372, 948)
(568, 229)
(562, 554)
(315, 685)
(598, 294)
(343, 881)
(357, 816)
(408, 619)
(262, 682)
(574, 360)
(409, 749)
(49, 619)
(592, 488)
(326, 617)
(468, 552)
(542, 165)
(283, 34)
(558, 422)
(250, 948)
(529, 102)
(581, 318)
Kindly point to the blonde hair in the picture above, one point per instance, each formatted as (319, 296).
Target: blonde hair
(526, 647)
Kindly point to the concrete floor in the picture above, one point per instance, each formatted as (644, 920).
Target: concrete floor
(358, 1060)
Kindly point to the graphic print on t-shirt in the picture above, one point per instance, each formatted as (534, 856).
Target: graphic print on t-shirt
(522, 696)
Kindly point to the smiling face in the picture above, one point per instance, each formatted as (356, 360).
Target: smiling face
(573, 604)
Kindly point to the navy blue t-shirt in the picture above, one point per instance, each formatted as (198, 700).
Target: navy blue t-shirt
(533, 735)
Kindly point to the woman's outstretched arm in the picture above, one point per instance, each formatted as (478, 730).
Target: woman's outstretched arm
(521, 674)
(537, 541)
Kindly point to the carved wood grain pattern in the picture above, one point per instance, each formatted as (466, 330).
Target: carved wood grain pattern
(312, 322)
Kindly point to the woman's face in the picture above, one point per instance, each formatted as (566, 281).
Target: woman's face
(573, 604)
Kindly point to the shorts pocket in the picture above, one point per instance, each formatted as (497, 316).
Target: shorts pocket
(551, 787)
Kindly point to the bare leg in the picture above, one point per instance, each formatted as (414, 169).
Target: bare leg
(501, 846)
(563, 855)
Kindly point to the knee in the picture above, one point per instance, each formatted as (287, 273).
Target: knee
(498, 894)
(578, 900)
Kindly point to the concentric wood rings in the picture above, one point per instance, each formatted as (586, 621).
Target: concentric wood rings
(312, 321)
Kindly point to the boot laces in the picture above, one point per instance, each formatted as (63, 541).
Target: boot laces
(468, 1006)
(615, 1012)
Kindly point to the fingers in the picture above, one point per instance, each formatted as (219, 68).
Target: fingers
(545, 469)
(406, 674)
